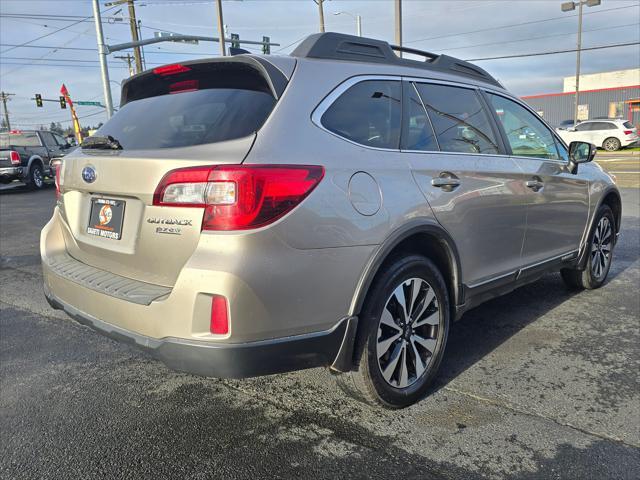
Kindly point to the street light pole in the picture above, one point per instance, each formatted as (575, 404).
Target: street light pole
(102, 55)
(358, 21)
(399, 25)
(578, 46)
(220, 27)
(568, 7)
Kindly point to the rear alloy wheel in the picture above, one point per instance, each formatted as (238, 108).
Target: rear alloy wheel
(599, 254)
(36, 177)
(611, 144)
(406, 317)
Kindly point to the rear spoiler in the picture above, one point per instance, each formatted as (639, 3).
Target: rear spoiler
(274, 77)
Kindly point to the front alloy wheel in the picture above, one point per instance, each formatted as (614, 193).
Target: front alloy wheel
(601, 248)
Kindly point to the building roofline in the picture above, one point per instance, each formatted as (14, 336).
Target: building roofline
(543, 95)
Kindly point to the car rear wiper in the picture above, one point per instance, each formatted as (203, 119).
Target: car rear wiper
(101, 143)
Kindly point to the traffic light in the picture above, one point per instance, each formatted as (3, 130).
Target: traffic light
(234, 40)
(266, 48)
(38, 100)
(63, 102)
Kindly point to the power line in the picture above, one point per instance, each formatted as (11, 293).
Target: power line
(555, 52)
(531, 22)
(81, 49)
(51, 33)
(564, 34)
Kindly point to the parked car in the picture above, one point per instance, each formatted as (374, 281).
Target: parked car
(26, 156)
(564, 124)
(611, 135)
(338, 207)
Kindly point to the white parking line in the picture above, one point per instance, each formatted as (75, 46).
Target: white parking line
(611, 171)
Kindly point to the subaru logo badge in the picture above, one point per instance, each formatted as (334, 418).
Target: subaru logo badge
(89, 174)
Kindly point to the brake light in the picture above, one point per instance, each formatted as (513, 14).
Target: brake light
(628, 132)
(238, 197)
(171, 69)
(219, 316)
(14, 157)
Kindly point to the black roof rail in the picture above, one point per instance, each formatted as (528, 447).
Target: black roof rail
(339, 46)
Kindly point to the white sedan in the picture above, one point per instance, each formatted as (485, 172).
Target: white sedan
(608, 134)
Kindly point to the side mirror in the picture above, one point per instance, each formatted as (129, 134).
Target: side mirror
(580, 152)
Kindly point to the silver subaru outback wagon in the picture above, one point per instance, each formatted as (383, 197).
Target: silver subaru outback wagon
(338, 207)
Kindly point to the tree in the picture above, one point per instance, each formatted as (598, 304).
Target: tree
(56, 128)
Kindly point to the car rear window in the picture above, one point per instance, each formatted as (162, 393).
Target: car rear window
(19, 140)
(192, 107)
(628, 125)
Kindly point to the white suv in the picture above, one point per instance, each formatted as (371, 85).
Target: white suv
(608, 134)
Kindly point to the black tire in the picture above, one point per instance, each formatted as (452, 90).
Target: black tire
(35, 180)
(590, 277)
(368, 383)
(611, 144)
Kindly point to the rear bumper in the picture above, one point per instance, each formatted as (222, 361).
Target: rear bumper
(11, 172)
(232, 360)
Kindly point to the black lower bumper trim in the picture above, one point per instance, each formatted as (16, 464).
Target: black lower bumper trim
(228, 360)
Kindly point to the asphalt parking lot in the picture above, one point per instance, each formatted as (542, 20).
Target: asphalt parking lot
(542, 383)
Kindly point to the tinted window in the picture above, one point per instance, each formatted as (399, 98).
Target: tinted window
(48, 139)
(627, 125)
(61, 141)
(367, 113)
(417, 131)
(602, 126)
(203, 104)
(526, 134)
(19, 140)
(584, 127)
(459, 120)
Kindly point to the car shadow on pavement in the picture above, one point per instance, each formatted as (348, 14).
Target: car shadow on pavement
(485, 328)
(14, 188)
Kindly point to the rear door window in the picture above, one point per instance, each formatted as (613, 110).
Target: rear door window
(200, 105)
(368, 113)
(48, 139)
(460, 122)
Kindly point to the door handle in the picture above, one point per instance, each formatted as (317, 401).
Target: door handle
(535, 185)
(446, 183)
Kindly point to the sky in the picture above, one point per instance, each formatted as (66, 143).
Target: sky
(465, 29)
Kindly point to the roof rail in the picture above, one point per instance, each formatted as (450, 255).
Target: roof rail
(338, 46)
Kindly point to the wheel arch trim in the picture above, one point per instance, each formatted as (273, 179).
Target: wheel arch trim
(607, 191)
(398, 236)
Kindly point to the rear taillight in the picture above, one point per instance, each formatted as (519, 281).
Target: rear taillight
(14, 157)
(238, 197)
(58, 167)
(219, 315)
(628, 132)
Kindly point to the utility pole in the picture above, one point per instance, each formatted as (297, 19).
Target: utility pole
(127, 59)
(320, 13)
(134, 35)
(102, 55)
(567, 7)
(220, 27)
(133, 25)
(144, 60)
(5, 97)
(399, 25)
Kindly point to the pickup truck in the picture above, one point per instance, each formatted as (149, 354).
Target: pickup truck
(26, 156)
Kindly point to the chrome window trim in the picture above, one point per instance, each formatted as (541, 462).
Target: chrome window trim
(323, 106)
(426, 113)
